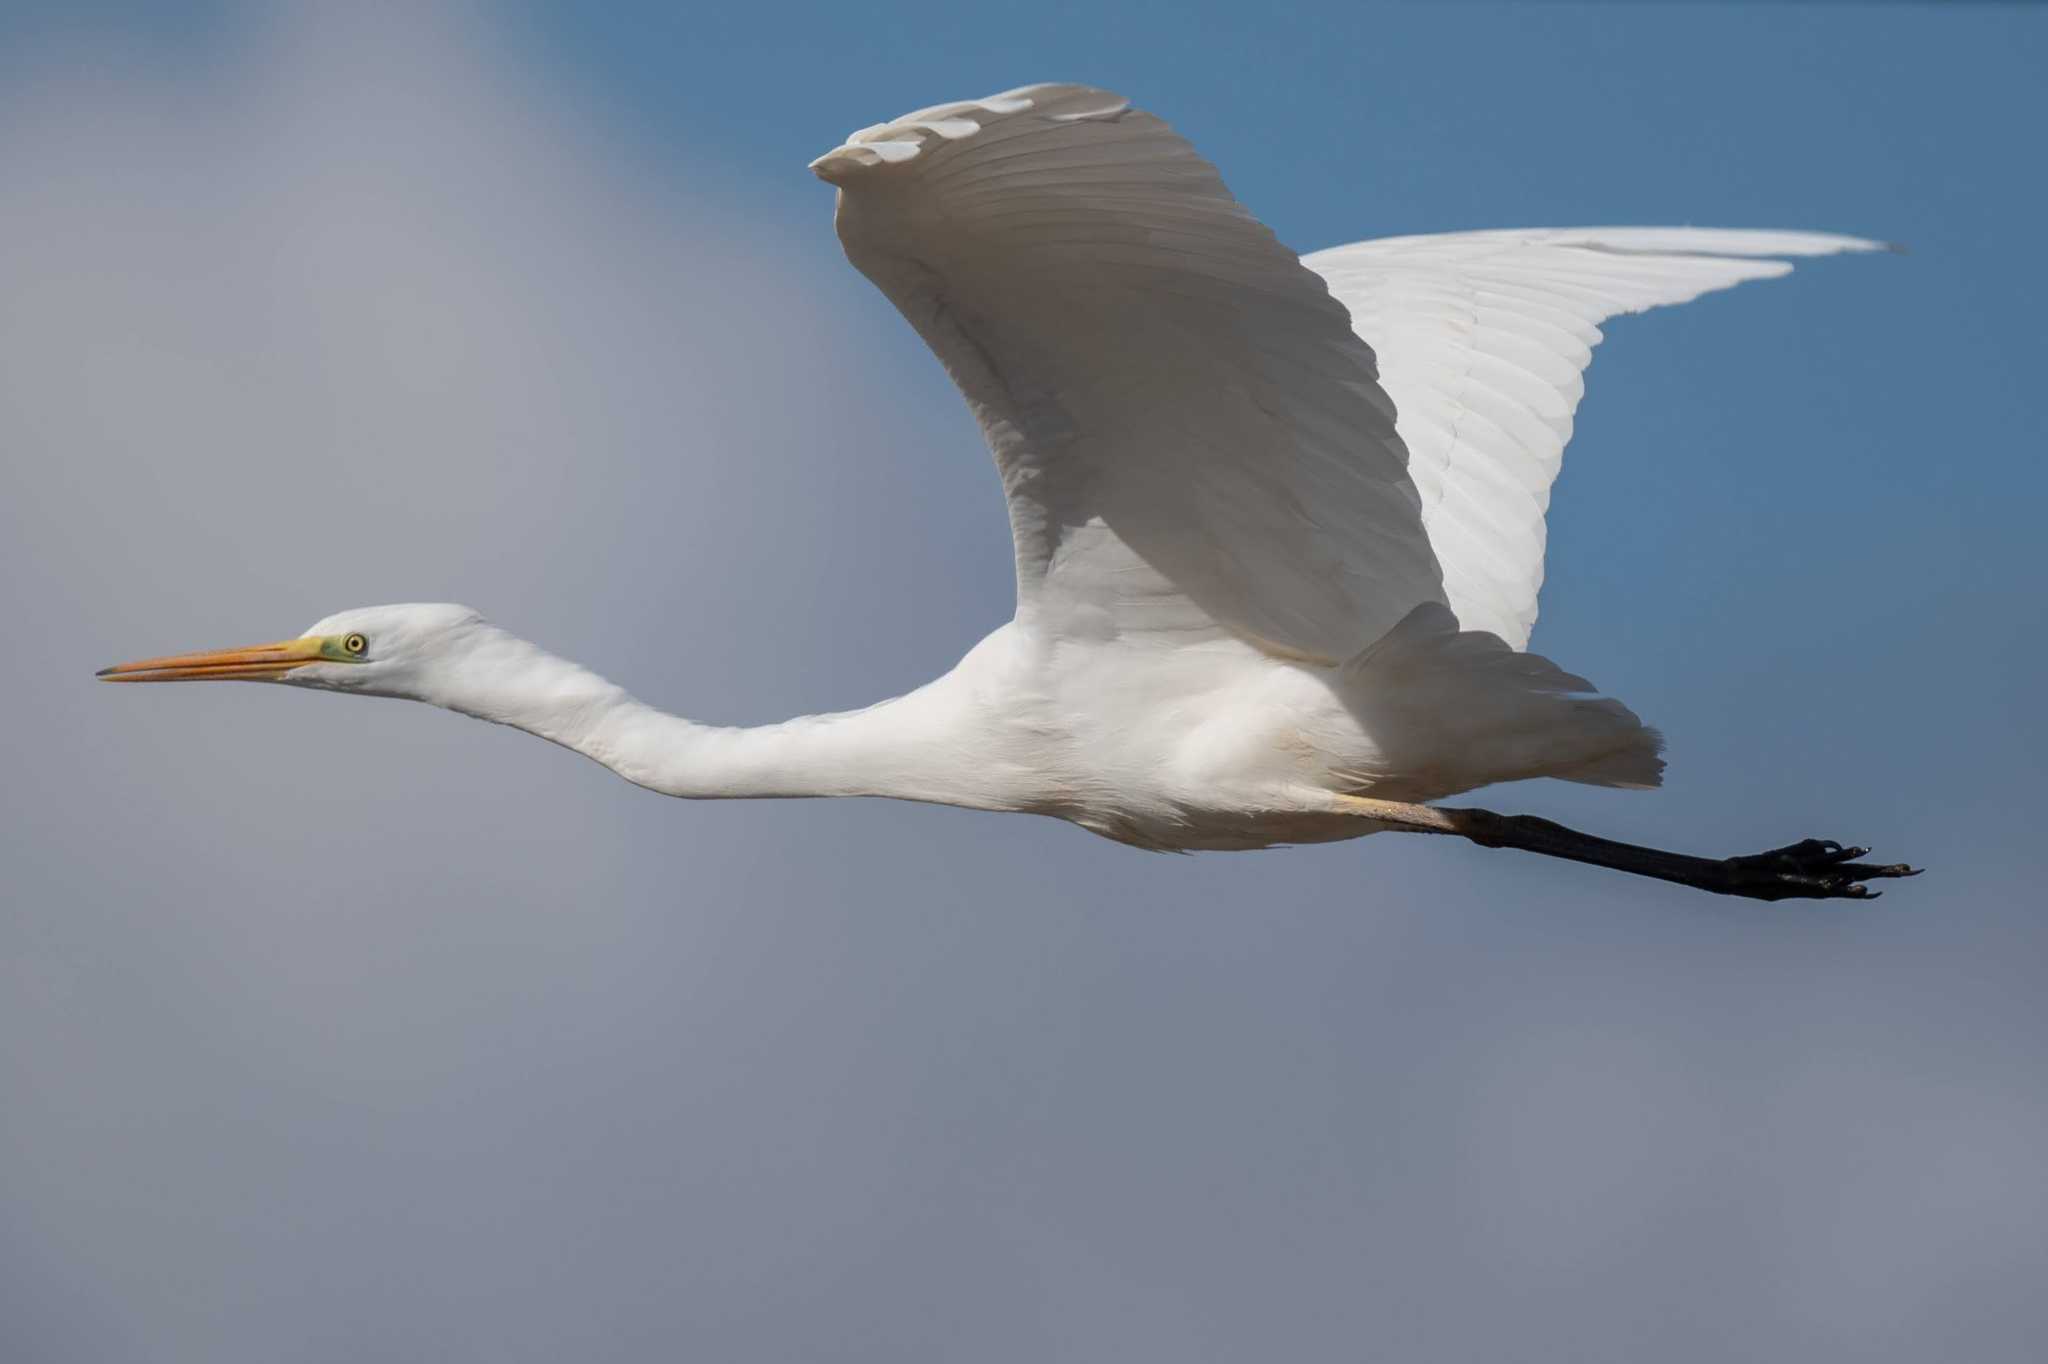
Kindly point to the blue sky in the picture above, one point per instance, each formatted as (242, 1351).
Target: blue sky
(335, 1029)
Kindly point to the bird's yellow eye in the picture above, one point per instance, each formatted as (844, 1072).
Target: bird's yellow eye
(355, 644)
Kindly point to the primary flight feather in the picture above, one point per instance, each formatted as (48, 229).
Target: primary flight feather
(1279, 521)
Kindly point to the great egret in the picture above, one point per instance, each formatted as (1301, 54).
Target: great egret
(1278, 521)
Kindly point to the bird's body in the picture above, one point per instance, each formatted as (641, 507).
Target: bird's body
(1211, 747)
(1278, 522)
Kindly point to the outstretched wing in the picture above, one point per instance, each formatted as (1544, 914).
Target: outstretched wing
(1482, 338)
(1190, 434)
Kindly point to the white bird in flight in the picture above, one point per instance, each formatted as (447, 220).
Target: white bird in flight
(1278, 520)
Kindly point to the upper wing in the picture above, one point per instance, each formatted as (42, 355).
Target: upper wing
(1190, 435)
(1482, 338)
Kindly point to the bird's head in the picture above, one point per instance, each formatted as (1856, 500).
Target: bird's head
(375, 650)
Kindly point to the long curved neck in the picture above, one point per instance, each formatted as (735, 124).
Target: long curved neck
(926, 745)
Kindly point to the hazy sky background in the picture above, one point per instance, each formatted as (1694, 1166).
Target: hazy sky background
(334, 1030)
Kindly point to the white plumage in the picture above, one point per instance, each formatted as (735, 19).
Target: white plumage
(1483, 339)
(1279, 522)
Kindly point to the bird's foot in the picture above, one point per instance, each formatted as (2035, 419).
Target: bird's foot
(1812, 869)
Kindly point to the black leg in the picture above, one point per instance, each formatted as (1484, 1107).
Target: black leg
(1811, 870)
(1815, 869)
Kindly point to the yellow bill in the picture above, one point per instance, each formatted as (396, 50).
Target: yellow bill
(256, 662)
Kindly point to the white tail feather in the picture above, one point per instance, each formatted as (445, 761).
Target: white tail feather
(1450, 710)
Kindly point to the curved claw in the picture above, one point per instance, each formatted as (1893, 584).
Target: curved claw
(1812, 869)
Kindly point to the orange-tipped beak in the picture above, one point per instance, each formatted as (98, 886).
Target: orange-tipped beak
(255, 663)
